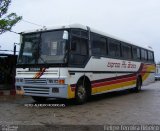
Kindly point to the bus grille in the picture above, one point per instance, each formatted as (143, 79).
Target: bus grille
(36, 90)
(35, 81)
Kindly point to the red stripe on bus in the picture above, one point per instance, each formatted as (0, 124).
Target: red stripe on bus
(113, 82)
(114, 78)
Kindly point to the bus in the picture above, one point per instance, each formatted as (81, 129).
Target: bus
(76, 62)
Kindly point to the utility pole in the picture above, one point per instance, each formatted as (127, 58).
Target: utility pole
(14, 49)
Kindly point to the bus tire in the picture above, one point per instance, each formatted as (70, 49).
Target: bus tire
(39, 99)
(81, 93)
(138, 84)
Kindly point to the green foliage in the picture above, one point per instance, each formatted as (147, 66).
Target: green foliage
(7, 21)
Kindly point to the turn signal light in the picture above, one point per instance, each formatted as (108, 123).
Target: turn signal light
(61, 81)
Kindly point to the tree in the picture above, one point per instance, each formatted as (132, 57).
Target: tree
(7, 21)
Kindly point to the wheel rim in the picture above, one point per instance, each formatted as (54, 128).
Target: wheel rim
(81, 92)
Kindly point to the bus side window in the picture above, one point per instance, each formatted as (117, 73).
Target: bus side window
(114, 48)
(143, 55)
(75, 45)
(126, 51)
(99, 45)
(79, 51)
(150, 56)
(136, 53)
(79, 46)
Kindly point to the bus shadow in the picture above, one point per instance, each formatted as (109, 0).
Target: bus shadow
(111, 95)
(114, 94)
(95, 98)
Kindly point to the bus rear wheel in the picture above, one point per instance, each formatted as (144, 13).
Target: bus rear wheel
(81, 94)
(138, 85)
(39, 99)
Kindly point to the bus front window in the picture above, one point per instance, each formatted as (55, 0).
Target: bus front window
(42, 48)
(53, 47)
(29, 49)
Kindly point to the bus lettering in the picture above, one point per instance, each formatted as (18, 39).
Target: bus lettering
(111, 64)
(130, 65)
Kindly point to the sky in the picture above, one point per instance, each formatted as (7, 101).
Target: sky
(137, 21)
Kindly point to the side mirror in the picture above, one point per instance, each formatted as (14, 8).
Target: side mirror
(65, 35)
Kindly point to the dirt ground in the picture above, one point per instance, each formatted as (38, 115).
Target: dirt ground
(118, 108)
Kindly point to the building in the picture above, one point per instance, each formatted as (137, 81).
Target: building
(7, 71)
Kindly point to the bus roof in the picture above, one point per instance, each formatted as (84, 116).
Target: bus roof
(79, 26)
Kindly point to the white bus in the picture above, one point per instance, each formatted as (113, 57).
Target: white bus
(76, 61)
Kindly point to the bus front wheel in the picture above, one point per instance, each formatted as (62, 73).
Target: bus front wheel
(81, 94)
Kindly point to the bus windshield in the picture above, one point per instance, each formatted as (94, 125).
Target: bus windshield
(42, 48)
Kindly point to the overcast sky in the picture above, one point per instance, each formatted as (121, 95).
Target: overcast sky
(137, 21)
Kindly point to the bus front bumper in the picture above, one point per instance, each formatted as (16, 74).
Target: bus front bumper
(51, 91)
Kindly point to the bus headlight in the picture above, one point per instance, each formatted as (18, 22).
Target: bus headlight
(52, 81)
(57, 81)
